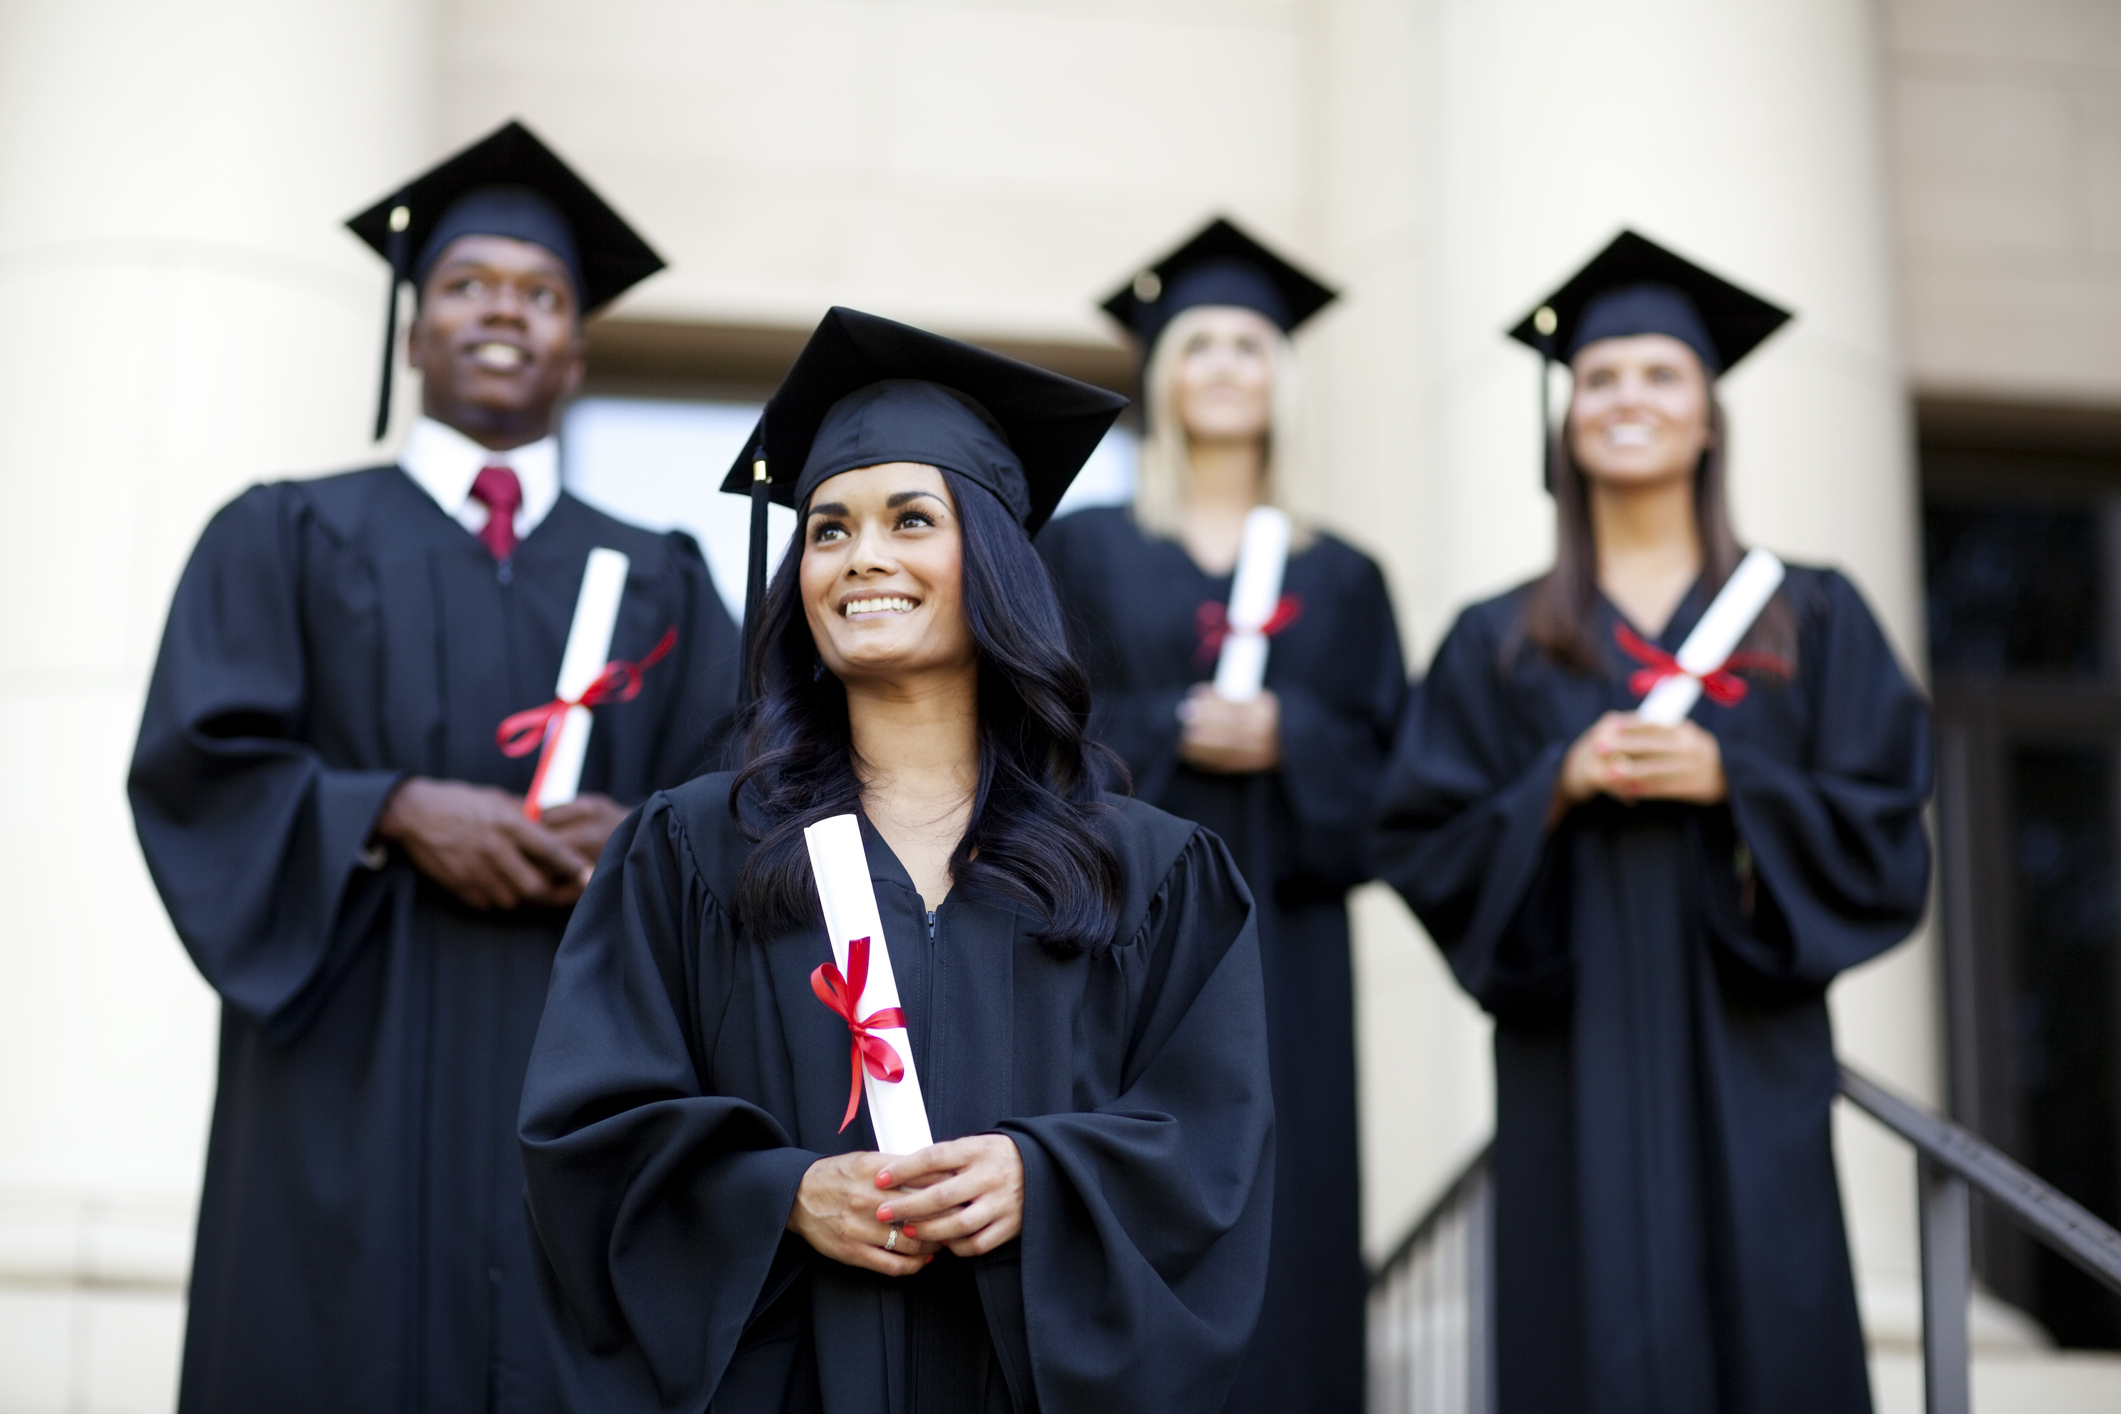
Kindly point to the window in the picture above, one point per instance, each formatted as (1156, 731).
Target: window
(659, 462)
(2022, 551)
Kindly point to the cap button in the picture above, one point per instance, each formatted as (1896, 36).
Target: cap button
(400, 217)
(1148, 286)
(1545, 320)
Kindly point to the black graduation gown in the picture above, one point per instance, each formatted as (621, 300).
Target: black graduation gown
(1668, 1229)
(361, 1240)
(685, 1078)
(1298, 832)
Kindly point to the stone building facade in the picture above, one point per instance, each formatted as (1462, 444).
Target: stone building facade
(1935, 185)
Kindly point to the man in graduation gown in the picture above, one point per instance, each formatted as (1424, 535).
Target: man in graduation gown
(342, 843)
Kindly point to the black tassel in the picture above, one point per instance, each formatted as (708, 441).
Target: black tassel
(400, 219)
(755, 569)
(1544, 323)
(1546, 427)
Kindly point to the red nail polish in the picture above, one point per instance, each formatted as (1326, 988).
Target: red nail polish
(908, 1230)
(883, 1214)
(883, 1180)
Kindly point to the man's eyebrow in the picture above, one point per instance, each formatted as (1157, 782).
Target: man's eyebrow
(550, 268)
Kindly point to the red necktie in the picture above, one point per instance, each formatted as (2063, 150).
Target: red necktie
(502, 493)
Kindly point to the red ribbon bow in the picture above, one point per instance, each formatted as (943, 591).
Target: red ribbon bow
(844, 996)
(1723, 686)
(534, 727)
(1212, 622)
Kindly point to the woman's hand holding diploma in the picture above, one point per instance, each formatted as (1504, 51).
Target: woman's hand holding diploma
(965, 1194)
(1230, 737)
(1630, 759)
(836, 1212)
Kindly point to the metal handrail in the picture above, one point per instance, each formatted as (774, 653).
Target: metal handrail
(1453, 1194)
(1431, 1306)
(2052, 1216)
(1951, 1164)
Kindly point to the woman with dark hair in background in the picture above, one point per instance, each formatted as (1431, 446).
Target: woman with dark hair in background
(1653, 913)
(1286, 775)
(1077, 972)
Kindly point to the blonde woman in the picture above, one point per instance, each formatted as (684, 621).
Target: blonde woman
(1286, 778)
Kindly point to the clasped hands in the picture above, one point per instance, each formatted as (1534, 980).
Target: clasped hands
(892, 1213)
(476, 842)
(1630, 759)
(1229, 737)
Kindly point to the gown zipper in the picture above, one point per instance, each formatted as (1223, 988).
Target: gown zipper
(913, 1303)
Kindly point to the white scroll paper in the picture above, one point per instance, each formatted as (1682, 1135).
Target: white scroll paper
(596, 614)
(1715, 638)
(897, 1112)
(1255, 590)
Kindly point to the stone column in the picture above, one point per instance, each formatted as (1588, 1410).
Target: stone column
(1525, 133)
(1427, 1097)
(182, 317)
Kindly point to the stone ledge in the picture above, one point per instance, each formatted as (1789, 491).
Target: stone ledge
(95, 1242)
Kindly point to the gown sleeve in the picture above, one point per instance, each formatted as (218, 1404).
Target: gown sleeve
(1462, 832)
(1336, 734)
(1837, 839)
(1138, 724)
(1144, 1246)
(253, 841)
(632, 1171)
(695, 736)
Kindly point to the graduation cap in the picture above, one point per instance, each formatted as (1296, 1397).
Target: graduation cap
(1636, 286)
(1219, 265)
(866, 391)
(506, 184)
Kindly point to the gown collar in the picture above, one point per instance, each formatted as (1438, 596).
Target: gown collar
(885, 867)
(1684, 616)
(443, 462)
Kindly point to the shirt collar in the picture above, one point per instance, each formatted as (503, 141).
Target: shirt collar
(443, 462)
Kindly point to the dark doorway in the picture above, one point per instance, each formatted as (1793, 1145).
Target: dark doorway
(2022, 550)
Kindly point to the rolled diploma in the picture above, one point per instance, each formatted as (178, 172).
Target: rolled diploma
(1262, 556)
(1715, 638)
(897, 1112)
(596, 614)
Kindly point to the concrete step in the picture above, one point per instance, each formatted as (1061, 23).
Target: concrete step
(2020, 1382)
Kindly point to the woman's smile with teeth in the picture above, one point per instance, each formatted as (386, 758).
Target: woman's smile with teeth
(877, 604)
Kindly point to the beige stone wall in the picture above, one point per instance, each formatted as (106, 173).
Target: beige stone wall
(2006, 171)
(983, 167)
(181, 318)
(1936, 184)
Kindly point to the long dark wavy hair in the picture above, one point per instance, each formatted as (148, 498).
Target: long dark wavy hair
(1031, 839)
(1560, 616)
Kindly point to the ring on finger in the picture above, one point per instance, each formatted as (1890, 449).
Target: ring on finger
(891, 1242)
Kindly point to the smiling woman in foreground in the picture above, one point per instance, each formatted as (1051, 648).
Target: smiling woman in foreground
(1078, 972)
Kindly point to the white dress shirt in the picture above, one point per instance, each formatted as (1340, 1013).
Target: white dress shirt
(443, 462)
